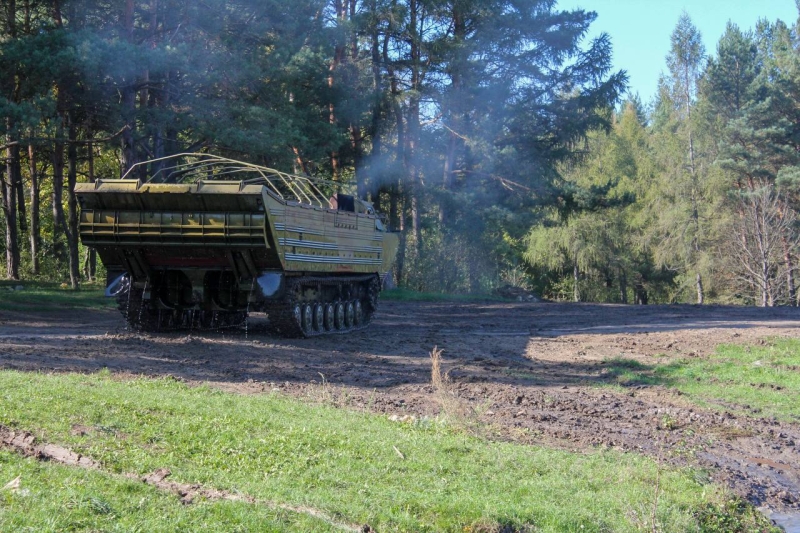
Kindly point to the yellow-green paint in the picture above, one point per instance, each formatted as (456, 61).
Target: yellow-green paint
(233, 214)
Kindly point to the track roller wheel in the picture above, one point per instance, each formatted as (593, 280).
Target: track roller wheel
(308, 319)
(297, 314)
(330, 311)
(319, 317)
(358, 313)
(338, 316)
(349, 315)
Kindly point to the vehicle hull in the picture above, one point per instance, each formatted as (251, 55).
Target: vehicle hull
(229, 247)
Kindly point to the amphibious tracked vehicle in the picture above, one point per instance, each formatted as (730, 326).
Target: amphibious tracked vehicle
(206, 240)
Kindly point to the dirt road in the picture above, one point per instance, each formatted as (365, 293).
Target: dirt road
(531, 371)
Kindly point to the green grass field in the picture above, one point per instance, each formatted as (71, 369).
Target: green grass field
(39, 296)
(54, 498)
(749, 380)
(354, 467)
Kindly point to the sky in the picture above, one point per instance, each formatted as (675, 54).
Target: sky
(640, 29)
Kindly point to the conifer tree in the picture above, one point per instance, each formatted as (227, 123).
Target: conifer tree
(682, 225)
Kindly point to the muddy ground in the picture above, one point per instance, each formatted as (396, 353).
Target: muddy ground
(523, 371)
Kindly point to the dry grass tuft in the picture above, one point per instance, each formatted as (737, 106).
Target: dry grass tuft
(456, 410)
(438, 380)
(320, 393)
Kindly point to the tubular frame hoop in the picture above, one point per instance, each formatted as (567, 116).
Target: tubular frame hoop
(195, 167)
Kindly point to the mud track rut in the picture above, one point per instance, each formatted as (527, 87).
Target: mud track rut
(27, 444)
(532, 369)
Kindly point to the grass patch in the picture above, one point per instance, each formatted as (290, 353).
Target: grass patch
(749, 380)
(407, 295)
(39, 296)
(356, 467)
(54, 498)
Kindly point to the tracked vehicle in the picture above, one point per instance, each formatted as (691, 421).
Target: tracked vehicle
(206, 240)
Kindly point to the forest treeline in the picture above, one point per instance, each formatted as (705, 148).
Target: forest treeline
(492, 133)
(450, 115)
(694, 199)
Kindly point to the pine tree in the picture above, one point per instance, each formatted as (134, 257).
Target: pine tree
(681, 224)
(758, 147)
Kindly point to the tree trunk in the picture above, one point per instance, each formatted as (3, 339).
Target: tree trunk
(399, 215)
(57, 13)
(26, 20)
(20, 190)
(11, 18)
(354, 129)
(640, 293)
(695, 190)
(91, 267)
(13, 174)
(412, 133)
(396, 200)
(700, 292)
(447, 177)
(576, 276)
(455, 141)
(787, 259)
(129, 158)
(8, 215)
(12, 250)
(766, 292)
(338, 57)
(475, 272)
(375, 182)
(35, 234)
(10, 201)
(623, 287)
(57, 198)
(72, 202)
(157, 99)
(128, 99)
